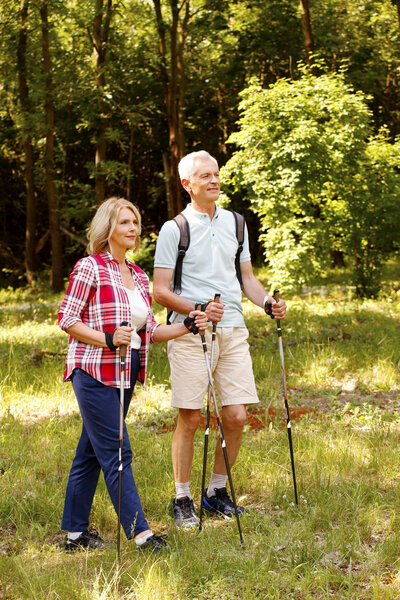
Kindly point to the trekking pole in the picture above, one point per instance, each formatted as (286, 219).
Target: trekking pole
(122, 357)
(221, 433)
(288, 424)
(207, 428)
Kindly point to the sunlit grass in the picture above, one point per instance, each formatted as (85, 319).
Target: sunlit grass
(342, 363)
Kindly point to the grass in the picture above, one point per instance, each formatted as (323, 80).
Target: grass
(342, 360)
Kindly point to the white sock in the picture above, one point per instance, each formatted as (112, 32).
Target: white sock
(144, 538)
(182, 490)
(216, 482)
(73, 535)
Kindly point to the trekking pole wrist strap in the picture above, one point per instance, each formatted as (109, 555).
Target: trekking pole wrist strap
(203, 306)
(109, 341)
(268, 307)
(191, 325)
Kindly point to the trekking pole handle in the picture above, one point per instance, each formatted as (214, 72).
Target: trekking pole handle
(268, 307)
(122, 348)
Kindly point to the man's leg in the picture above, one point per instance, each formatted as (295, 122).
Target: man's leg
(188, 385)
(182, 457)
(233, 421)
(234, 380)
(182, 443)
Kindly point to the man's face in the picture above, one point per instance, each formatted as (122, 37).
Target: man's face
(204, 185)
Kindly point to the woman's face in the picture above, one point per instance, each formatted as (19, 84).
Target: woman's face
(126, 230)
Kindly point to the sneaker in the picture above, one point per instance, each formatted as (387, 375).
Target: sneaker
(184, 513)
(88, 539)
(221, 504)
(155, 543)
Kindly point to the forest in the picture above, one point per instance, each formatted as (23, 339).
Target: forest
(299, 101)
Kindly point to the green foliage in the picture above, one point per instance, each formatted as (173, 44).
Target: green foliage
(309, 166)
(226, 43)
(144, 256)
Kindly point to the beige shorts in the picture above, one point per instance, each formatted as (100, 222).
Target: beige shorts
(232, 369)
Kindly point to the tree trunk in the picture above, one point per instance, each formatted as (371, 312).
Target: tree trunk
(173, 82)
(307, 32)
(130, 163)
(101, 28)
(30, 230)
(57, 282)
(167, 174)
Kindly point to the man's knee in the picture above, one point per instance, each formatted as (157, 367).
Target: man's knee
(188, 420)
(234, 417)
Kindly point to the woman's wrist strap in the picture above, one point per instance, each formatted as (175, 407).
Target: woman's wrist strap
(109, 341)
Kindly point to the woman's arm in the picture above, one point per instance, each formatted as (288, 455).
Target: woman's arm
(163, 333)
(84, 333)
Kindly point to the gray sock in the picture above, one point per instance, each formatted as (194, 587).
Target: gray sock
(73, 535)
(140, 541)
(182, 490)
(216, 482)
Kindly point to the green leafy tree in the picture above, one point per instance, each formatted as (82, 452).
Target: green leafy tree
(317, 179)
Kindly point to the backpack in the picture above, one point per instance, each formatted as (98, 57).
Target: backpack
(184, 243)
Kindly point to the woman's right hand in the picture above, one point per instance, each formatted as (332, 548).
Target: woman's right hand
(200, 320)
(122, 335)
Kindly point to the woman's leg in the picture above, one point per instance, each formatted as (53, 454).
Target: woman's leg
(82, 483)
(99, 405)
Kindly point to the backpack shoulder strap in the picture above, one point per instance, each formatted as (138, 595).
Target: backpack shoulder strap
(184, 242)
(239, 224)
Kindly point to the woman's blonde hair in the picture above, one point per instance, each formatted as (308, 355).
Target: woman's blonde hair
(104, 221)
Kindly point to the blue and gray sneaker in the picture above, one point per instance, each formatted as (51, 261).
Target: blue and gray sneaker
(184, 513)
(221, 504)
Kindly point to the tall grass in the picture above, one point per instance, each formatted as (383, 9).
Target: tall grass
(342, 360)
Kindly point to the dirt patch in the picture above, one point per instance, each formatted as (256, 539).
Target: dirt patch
(257, 419)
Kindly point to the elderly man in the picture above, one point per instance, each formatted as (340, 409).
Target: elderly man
(208, 268)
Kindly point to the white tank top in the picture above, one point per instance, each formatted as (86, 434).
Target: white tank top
(138, 315)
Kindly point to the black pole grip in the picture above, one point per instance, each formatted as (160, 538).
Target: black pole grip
(122, 348)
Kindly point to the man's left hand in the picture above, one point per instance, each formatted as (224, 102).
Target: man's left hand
(278, 308)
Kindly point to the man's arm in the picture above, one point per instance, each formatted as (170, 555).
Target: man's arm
(163, 295)
(255, 292)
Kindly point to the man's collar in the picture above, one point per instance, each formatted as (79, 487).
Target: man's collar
(191, 209)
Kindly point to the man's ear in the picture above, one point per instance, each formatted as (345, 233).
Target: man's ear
(186, 185)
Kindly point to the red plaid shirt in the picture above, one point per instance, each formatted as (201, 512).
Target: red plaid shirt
(96, 296)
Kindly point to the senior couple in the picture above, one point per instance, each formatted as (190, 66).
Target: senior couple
(106, 289)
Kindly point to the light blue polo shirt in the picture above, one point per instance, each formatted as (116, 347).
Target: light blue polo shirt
(209, 264)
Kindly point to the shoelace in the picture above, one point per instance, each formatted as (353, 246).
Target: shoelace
(222, 494)
(186, 507)
(93, 531)
(160, 538)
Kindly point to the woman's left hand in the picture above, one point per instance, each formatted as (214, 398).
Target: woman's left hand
(200, 320)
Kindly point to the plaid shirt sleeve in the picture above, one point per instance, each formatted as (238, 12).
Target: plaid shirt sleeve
(82, 285)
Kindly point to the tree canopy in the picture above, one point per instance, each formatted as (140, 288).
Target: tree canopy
(104, 96)
(317, 177)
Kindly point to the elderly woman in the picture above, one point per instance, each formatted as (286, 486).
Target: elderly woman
(105, 290)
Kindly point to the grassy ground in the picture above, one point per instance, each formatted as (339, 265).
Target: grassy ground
(342, 541)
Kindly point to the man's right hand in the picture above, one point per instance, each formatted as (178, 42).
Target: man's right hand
(214, 311)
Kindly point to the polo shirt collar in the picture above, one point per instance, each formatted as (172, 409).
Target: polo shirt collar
(200, 215)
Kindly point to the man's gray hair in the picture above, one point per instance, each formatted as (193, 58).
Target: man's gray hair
(187, 165)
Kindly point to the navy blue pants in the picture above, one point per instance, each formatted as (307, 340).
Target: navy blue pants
(98, 449)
